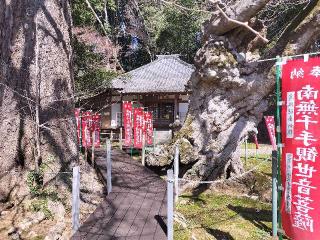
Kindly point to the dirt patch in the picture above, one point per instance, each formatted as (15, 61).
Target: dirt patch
(254, 185)
(48, 215)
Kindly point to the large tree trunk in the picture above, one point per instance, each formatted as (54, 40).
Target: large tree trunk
(36, 91)
(230, 89)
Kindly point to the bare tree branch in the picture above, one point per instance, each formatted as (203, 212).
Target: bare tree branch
(242, 24)
(97, 17)
(183, 7)
(19, 94)
(241, 11)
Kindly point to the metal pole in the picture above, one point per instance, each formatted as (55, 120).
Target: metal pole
(86, 153)
(92, 149)
(176, 173)
(154, 139)
(170, 204)
(274, 193)
(80, 134)
(143, 154)
(109, 167)
(120, 139)
(245, 151)
(75, 199)
(278, 97)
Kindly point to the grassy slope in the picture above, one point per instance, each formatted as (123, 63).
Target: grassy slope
(228, 216)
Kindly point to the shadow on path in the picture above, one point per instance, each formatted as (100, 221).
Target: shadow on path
(136, 208)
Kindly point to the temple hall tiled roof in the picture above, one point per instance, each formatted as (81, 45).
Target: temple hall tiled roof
(166, 74)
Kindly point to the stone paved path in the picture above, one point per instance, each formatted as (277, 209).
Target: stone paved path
(136, 208)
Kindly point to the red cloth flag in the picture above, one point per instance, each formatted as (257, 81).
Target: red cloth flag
(148, 127)
(138, 127)
(300, 165)
(127, 123)
(86, 126)
(271, 130)
(96, 129)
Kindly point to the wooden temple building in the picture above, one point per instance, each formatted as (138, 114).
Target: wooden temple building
(159, 86)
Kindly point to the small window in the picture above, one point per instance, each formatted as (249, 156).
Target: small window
(166, 111)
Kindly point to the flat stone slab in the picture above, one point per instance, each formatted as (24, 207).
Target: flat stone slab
(136, 207)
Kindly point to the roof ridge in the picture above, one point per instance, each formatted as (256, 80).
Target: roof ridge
(167, 73)
(160, 59)
(185, 63)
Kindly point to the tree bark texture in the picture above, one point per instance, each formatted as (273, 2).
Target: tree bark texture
(230, 90)
(36, 70)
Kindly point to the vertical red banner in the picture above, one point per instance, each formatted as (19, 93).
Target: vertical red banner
(271, 130)
(127, 123)
(86, 129)
(148, 127)
(96, 119)
(138, 120)
(84, 126)
(300, 165)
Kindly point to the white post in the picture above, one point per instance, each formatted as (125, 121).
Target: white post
(120, 139)
(245, 151)
(170, 204)
(92, 150)
(143, 154)
(176, 173)
(111, 136)
(154, 139)
(76, 199)
(109, 167)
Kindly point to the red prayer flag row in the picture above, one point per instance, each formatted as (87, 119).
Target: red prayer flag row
(90, 125)
(142, 126)
(271, 130)
(300, 165)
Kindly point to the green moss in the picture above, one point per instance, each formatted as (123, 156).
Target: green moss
(225, 217)
(41, 205)
(185, 148)
(186, 131)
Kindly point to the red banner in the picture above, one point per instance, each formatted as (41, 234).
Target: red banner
(148, 127)
(96, 129)
(138, 120)
(271, 130)
(127, 123)
(86, 129)
(300, 166)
